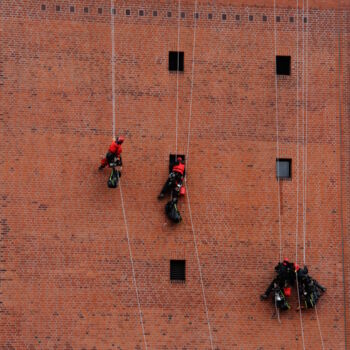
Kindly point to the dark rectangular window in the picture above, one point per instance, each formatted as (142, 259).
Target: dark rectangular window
(283, 168)
(210, 16)
(223, 16)
(251, 18)
(196, 15)
(291, 19)
(114, 11)
(264, 18)
(278, 19)
(58, 8)
(71, 9)
(238, 17)
(99, 11)
(155, 13)
(176, 61)
(183, 14)
(305, 19)
(173, 159)
(178, 270)
(86, 10)
(283, 65)
(43, 7)
(169, 14)
(141, 13)
(127, 12)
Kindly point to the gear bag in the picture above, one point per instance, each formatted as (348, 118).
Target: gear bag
(114, 178)
(172, 212)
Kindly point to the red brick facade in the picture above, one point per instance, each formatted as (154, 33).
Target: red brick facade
(86, 267)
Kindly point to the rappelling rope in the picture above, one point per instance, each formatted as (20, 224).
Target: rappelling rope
(297, 172)
(120, 185)
(277, 137)
(188, 194)
(177, 74)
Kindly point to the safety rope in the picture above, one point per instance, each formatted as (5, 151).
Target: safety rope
(277, 137)
(177, 75)
(341, 175)
(187, 191)
(120, 185)
(113, 67)
(297, 172)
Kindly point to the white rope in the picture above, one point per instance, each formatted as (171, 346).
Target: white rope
(319, 327)
(297, 172)
(177, 74)
(188, 194)
(277, 137)
(199, 267)
(113, 67)
(132, 263)
(120, 185)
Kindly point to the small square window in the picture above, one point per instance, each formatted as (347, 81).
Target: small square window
(210, 16)
(178, 270)
(283, 65)
(196, 15)
(291, 19)
(99, 11)
(183, 14)
(113, 11)
(155, 13)
(278, 19)
(58, 8)
(86, 10)
(176, 61)
(168, 14)
(305, 19)
(43, 7)
(283, 168)
(71, 9)
(141, 13)
(264, 18)
(238, 17)
(127, 12)
(223, 16)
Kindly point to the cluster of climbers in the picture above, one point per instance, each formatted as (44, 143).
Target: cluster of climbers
(173, 184)
(287, 274)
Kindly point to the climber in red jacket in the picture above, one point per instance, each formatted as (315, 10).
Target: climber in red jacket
(175, 179)
(113, 157)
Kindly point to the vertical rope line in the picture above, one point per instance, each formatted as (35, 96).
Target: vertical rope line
(113, 68)
(303, 125)
(340, 175)
(120, 185)
(277, 137)
(297, 172)
(188, 194)
(192, 81)
(199, 267)
(319, 327)
(132, 264)
(177, 74)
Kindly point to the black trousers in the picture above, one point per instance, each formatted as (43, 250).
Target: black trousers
(173, 180)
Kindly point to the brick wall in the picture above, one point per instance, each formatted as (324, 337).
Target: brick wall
(71, 247)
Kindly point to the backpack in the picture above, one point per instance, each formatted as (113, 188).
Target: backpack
(113, 179)
(172, 212)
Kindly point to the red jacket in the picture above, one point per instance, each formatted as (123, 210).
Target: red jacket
(115, 148)
(179, 168)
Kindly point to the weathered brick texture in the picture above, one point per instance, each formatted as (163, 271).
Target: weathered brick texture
(66, 273)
